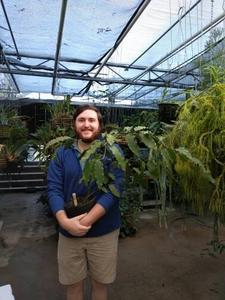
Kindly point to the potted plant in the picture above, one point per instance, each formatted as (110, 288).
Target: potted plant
(3, 159)
(62, 113)
(7, 113)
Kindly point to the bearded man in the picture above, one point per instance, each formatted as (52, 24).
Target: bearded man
(88, 242)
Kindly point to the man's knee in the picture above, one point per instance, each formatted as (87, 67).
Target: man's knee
(75, 291)
(98, 285)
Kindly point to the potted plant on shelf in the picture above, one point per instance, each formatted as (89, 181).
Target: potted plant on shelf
(3, 159)
(62, 113)
(7, 114)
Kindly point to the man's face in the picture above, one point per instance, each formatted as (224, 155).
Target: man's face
(87, 126)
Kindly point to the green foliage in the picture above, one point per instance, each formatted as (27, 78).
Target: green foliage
(15, 143)
(144, 118)
(47, 139)
(55, 143)
(132, 144)
(130, 207)
(61, 108)
(200, 129)
(7, 115)
(118, 156)
(94, 167)
(212, 69)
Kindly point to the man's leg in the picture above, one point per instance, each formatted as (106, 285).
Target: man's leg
(75, 291)
(99, 291)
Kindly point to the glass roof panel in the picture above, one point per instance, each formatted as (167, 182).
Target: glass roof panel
(33, 83)
(34, 25)
(90, 30)
(92, 27)
(66, 86)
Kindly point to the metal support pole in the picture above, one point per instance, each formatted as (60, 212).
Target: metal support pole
(10, 29)
(59, 41)
(9, 69)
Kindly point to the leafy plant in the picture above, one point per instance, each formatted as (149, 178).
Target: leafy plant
(7, 114)
(61, 113)
(155, 163)
(130, 207)
(200, 129)
(141, 118)
(95, 156)
(215, 59)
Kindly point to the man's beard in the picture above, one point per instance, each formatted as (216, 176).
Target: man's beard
(88, 140)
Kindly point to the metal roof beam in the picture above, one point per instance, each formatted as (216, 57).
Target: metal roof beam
(9, 69)
(88, 62)
(20, 64)
(183, 45)
(88, 78)
(181, 73)
(10, 29)
(123, 34)
(59, 41)
(73, 60)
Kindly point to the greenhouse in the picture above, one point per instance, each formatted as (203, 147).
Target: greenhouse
(112, 121)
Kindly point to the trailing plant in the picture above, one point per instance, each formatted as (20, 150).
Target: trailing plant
(200, 129)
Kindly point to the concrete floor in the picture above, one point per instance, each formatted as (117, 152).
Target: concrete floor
(157, 263)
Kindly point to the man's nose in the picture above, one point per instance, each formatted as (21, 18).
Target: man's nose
(86, 123)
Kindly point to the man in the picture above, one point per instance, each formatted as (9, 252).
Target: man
(88, 241)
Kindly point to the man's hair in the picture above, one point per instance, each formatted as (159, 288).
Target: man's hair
(82, 108)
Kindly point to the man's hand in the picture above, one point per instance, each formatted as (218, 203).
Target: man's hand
(93, 215)
(73, 225)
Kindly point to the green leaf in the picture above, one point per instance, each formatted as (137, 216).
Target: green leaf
(110, 139)
(137, 171)
(119, 157)
(57, 141)
(114, 190)
(88, 171)
(111, 175)
(147, 139)
(139, 128)
(91, 150)
(132, 144)
(99, 177)
(186, 155)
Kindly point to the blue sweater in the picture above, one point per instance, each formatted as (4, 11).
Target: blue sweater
(64, 174)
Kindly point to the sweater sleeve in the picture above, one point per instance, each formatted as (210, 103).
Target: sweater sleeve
(108, 199)
(55, 183)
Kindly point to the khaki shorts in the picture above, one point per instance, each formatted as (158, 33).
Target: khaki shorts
(94, 255)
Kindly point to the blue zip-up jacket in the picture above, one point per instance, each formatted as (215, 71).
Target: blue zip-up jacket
(64, 174)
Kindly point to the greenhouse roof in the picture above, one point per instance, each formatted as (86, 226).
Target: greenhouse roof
(116, 51)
